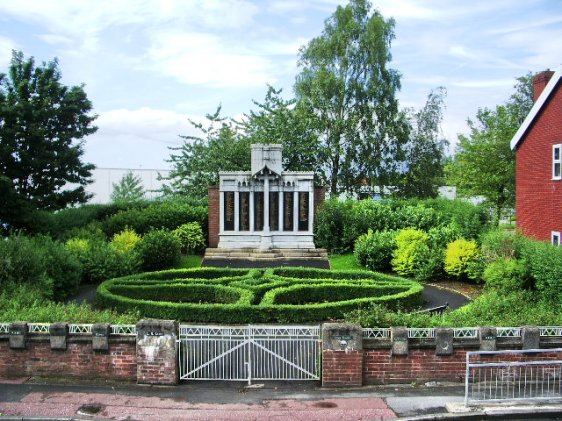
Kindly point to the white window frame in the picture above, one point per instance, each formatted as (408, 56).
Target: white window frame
(558, 161)
(555, 235)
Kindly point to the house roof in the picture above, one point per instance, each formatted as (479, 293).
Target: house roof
(539, 103)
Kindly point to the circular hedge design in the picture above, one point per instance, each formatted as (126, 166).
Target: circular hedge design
(284, 295)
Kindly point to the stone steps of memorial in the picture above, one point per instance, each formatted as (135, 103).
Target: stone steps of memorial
(217, 253)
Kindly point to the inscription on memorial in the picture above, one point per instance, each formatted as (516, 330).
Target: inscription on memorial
(244, 210)
(303, 211)
(274, 211)
(288, 211)
(258, 211)
(229, 211)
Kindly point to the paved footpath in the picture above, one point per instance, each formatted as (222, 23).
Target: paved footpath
(212, 401)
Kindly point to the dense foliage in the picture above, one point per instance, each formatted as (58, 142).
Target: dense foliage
(291, 295)
(42, 124)
(339, 223)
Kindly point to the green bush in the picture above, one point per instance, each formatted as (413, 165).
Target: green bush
(506, 275)
(158, 215)
(545, 268)
(500, 244)
(432, 258)
(21, 263)
(459, 255)
(101, 261)
(374, 250)
(191, 237)
(159, 249)
(411, 247)
(338, 223)
(255, 295)
(125, 241)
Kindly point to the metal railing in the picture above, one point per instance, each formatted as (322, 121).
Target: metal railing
(515, 375)
(43, 328)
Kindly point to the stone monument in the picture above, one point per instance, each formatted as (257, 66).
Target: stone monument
(264, 209)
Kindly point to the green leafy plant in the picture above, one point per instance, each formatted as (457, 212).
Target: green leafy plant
(506, 275)
(374, 250)
(159, 249)
(411, 247)
(125, 241)
(191, 237)
(459, 255)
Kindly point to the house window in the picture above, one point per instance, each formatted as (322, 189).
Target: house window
(555, 237)
(557, 162)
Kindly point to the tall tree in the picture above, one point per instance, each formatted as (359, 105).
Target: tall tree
(128, 190)
(349, 92)
(424, 152)
(197, 162)
(42, 124)
(484, 164)
(277, 120)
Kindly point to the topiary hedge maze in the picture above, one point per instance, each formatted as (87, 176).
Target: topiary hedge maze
(283, 295)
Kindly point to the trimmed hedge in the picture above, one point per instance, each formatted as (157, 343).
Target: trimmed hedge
(339, 224)
(242, 296)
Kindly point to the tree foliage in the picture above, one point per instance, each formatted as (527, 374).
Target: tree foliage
(196, 164)
(425, 150)
(349, 93)
(128, 190)
(484, 163)
(42, 124)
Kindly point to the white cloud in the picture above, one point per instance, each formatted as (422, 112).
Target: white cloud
(203, 59)
(139, 136)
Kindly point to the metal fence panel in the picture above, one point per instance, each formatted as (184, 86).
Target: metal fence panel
(249, 353)
(515, 375)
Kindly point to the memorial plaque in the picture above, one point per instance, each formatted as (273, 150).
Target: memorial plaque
(244, 209)
(274, 211)
(288, 211)
(229, 211)
(258, 211)
(303, 211)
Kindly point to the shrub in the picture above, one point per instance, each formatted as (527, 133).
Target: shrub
(374, 250)
(329, 225)
(432, 258)
(505, 275)
(125, 241)
(411, 247)
(21, 263)
(459, 255)
(158, 215)
(191, 237)
(236, 296)
(61, 267)
(500, 244)
(159, 249)
(545, 267)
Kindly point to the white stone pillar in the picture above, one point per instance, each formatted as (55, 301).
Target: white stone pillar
(266, 234)
(221, 211)
(311, 207)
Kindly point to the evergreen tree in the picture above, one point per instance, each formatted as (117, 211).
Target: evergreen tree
(42, 124)
(128, 190)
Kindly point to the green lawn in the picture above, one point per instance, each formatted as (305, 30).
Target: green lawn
(345, 262)
(191, 261)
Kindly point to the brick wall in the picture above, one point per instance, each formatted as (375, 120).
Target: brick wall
(538, 197)
(342, 368)
(214, 215)
(77, 361)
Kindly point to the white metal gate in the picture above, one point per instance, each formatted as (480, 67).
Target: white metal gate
(249, 352)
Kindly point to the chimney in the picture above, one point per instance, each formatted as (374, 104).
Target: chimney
(540, 80)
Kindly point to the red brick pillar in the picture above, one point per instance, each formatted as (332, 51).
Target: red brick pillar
(214, 215)
(342, 355)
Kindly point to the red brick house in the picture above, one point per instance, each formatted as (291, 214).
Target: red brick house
(538, 162)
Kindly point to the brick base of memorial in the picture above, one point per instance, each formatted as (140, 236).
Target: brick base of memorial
(350, 358)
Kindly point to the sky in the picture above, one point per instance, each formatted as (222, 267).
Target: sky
(150, 66)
